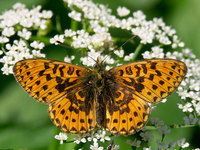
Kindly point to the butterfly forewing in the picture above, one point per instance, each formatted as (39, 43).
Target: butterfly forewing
(63, 87)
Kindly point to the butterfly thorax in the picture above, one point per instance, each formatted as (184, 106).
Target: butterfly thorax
(99, 74)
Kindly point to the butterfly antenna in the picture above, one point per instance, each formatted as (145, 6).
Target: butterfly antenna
(92, 58)
(63, 44)
(134, 36)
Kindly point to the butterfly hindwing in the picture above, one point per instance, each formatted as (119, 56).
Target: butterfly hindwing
(63, 87)
(125, 113)
(74, 114)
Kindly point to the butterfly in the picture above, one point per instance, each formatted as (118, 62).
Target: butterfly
(117, 99)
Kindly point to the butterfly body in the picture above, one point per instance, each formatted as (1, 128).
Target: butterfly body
(117, 99)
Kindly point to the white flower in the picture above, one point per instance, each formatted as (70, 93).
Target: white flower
(95, 146)
(146, 55)
(168, 30)
(129, 57)
(139, 15)
(92, 57)
(3, 39)
(57, 39)
(20, 15)
(8, 31)
(183, 92)
(144, 33)
(18, 6)
(194, 85)
(7, 69)
(101, 134)
(186, 108)
(182, 143)
(156, 52)
(46, 14)
(122, 11)
(163, 38)
(109, 60)
(176, 42)
(24, 34)
(37, 53)
(69, 33)
(197, 107)
(69, 59)
(80, 139)
(62, 137)
(37, 45)
(75, 15)
(119, 53)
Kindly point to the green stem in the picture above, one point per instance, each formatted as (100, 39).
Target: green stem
(163, 136)
(4, 51)
(172, 126)
(137, 51)
(74, 25)
(70, 141)
(58, 25)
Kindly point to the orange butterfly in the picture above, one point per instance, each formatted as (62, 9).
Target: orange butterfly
(115, 99)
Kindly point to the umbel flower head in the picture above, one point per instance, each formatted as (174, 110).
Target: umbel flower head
(93, 40)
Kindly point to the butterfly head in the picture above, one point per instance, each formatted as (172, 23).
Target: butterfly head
(100, 65)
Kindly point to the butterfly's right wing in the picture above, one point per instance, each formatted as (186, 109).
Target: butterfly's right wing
(64, 87)
(129, 87)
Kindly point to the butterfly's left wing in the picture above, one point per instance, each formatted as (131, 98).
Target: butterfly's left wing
(130, 87)
(64, 87)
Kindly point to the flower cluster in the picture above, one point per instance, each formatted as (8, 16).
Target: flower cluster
(94, 138)
(20, 22)
(97, 39)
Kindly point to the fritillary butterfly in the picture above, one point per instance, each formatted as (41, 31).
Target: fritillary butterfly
(117, 99)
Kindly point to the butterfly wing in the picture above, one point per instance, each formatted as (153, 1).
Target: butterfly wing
(132, 85)
(64, 87)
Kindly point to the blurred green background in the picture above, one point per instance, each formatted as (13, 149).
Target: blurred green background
(24, 123)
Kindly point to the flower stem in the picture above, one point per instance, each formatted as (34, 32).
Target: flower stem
(137, 51)
(58, 25)
(174, 126)
(3, 49)
(74, 25)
